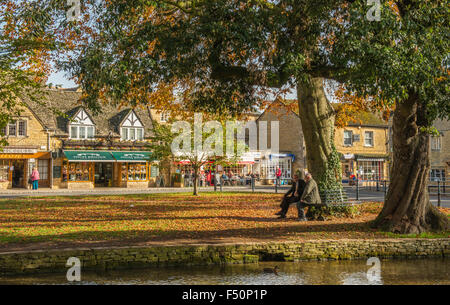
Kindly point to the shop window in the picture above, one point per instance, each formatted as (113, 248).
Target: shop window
(43, 169)
(4, 170)
(437, 174)
(79, 171)
(137, 171)
(134, 172)
(370, 170)
(124, 171)
(348, 138)
(368, 138)
(270, 167)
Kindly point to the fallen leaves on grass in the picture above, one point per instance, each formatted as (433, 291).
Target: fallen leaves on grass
(167, 217)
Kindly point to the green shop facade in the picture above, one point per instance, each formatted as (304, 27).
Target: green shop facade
(82, 169)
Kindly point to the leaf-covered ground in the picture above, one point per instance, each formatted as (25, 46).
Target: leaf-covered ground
(55, 222)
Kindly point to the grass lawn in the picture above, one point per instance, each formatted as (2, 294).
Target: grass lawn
(162, 219)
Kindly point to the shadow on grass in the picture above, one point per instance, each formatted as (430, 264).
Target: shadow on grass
(303, 230)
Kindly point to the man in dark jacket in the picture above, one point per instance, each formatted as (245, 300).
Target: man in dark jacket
(293, 195)
(309, 197)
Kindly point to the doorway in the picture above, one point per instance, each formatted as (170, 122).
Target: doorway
(103, 174)
(18, 173)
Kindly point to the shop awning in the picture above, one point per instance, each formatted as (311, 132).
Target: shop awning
(43, 155)
(246, 162)
(292, 156)
(373, 158)
(88, 156)
(132, 156)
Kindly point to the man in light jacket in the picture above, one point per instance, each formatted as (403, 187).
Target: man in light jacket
(309, 197)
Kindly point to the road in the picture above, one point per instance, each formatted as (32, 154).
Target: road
(364, 194)
(372, 195)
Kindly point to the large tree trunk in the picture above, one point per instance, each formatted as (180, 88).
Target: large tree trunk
(407, 208)
(317, 118)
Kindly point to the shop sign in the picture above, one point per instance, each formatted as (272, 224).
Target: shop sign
(349, 156)
(19, 151)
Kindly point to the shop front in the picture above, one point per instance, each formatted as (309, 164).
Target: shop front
(368, 168)
(89, 169)
(16, 167)
(348, 165)
(133, 169)
(270, 164)
(86, 169)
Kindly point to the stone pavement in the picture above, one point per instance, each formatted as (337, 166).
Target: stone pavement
(14, 193)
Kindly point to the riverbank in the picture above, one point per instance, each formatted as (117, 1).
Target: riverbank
(47, 261)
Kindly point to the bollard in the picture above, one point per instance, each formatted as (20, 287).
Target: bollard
(276, 186)
(385, 188)
(439, 193)
(378, 185)
(357, 188)
(253, 184)
(215, 183)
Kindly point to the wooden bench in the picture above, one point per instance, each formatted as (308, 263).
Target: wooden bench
(336, 197)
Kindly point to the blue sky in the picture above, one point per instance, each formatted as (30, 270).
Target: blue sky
(60, 79)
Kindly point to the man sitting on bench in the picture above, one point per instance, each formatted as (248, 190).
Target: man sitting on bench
(292, 196)
(309, 197)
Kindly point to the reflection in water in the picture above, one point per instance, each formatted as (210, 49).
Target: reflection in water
(424, 271)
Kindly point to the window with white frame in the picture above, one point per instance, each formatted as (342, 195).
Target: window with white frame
(437, 174)
(15, 129)
(270, 166)
(370, 170)
(436, 143)
(348, 138)
(132, 128)
(368, 138)
(81, 127)
(22, 128)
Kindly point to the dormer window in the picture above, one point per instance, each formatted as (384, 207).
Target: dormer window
(132, 128)
(81, 127)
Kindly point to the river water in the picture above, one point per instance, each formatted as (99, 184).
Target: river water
(354, 272)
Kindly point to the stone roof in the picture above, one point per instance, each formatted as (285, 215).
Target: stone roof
(442, 125)
(66, 102)
(363, 118)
